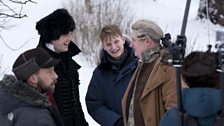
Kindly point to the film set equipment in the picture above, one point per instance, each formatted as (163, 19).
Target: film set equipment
(177, 51)
(220, 57)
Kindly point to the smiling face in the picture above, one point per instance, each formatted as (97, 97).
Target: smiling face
(112, 41)
(114, 46)
(61, 44)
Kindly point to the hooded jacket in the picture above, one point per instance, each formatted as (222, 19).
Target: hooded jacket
(201, 103)
(23, 105)
(66, 92)
(107, 87)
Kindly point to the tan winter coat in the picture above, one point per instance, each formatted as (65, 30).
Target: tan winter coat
(158, 96)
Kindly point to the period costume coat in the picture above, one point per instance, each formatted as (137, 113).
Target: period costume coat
(66, 92)
(159, 92)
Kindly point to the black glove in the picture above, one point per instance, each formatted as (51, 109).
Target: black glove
(119, 122)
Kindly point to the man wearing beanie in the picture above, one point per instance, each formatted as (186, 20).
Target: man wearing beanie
(55, 32)
(22, 97)
(152, 89)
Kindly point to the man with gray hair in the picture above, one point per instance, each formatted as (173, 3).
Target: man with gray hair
(152, 90)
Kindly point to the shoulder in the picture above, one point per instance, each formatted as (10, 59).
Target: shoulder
(33, 116)
(30, 112)
(164, 67)
(169, 118)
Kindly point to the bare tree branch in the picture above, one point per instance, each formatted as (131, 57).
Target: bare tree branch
(12, 9)
(22, 2)
(12, 16)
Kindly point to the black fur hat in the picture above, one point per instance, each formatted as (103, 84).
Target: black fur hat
(58, 23)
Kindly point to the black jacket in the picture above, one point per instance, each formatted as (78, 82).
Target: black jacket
(66, 92)
(22, 105)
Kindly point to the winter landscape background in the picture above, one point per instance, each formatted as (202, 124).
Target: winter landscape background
(167, 13)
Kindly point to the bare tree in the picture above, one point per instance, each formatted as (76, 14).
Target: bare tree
(91, 16)
(11, 9)
(212, 10)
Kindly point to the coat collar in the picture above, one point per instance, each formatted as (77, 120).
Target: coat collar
(23, 91)
(156, 78)
(151, 54)
(72, 49)
(201, 102)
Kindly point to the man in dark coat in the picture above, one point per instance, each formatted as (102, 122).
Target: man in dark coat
(110, 78)
(56, 37)
(22, 97)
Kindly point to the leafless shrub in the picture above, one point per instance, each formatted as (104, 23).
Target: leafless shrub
(11, 9)
(91, 16)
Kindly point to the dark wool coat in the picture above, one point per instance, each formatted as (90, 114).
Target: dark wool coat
(66, 92)
(201, 103)
(159, 93)
(107, 87)
(22, 105)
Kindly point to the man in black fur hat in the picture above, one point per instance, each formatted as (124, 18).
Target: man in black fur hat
(22, 97)
(56, 37)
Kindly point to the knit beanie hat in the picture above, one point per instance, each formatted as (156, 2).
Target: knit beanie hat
(147, 27)
(31, 61)
(58, 23)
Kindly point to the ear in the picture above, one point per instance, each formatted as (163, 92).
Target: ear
(149, 42)
(33, 80)
(123, 38)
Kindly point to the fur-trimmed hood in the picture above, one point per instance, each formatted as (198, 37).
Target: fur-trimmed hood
(14, 94)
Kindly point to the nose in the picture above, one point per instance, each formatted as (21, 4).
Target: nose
(131, 44)
(113, 46)
(55, 75)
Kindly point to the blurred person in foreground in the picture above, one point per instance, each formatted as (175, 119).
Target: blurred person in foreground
(56, 30)
(202, 99)
(152, 89)
(22, 97)
(110, 78)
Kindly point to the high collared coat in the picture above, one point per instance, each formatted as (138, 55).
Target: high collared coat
(158, 96)
(66, 92)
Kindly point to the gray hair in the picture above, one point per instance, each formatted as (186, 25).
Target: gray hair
(145, 27)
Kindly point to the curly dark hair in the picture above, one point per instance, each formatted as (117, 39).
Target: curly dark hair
(58, 23)
(199, 69)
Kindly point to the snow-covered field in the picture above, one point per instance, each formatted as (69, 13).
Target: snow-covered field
(167, 13)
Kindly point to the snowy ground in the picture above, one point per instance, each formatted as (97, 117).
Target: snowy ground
(167, 13)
